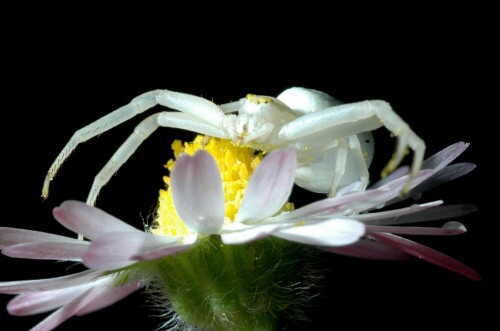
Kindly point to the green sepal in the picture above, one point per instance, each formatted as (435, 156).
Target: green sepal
(237, 287)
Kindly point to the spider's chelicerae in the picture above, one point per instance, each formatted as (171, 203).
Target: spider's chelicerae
(333, 141)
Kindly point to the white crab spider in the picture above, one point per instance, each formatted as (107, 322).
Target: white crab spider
(333, 141)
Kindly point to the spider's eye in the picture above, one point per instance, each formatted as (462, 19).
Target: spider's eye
(255, 99)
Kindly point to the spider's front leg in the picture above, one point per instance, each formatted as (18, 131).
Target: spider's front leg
(202, 112)
(141, 133)
(351, 119)
(247, 129)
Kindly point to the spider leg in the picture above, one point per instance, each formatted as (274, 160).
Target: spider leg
(339, 166)
(349, 173)
(196, 106)
(231, 107)
(405, 138)
(141, 132)
(349, 119)
(360, 163)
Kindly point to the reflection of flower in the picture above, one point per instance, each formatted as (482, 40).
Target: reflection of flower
(211, 265)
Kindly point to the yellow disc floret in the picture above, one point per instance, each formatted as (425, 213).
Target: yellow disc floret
(236, 165)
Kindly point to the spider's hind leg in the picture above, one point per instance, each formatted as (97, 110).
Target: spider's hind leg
(405, 138)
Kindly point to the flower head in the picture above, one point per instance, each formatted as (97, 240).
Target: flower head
(230, 233)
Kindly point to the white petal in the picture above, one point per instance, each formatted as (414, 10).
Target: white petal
(331, 205)
(386, 193)
(115, 250)
(424, 215)
(356, 202)
(445, 157)
(107, 296)
(197, 192)
(17, 287)
(102, 294)
(440, 177)
(77, 304)
(176, 247)
(87, 220)
(269, 187)
(435, 162)
(239, 233)
(398, 173)
(444, 175)
(61, 315)
(395, 216)
(333, 232)
(453, 225)
(14, 236)
(450, 229)
(44, 301)
(354, 187)
(48, 251)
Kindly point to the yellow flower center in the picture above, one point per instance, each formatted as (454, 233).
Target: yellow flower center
(236, 165)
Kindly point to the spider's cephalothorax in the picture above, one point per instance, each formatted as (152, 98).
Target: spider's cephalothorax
(333, 140)
(258, 121)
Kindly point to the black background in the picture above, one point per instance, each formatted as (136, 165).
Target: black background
(59, 76)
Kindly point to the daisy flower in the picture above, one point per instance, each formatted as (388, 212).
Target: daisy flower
(227, 250)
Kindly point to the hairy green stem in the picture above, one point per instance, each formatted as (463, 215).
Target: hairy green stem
(237, 287)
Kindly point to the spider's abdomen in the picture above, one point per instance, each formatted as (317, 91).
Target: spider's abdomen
(315, 172)
(302, 100)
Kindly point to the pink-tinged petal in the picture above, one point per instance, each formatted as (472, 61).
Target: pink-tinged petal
(357, 186)
(48, 251)
(330, 205)
(269, 187)
(197, 192)
(22, 286)
(443, 176)
(107, 296)
(354, 203)
(369, 249)
(44, 301)
(387, 192)
(427, 254)
(14, 236)
(445, 157)
(394, 216)
(435, 162)
(449, 229)
(101, 294)
(61, 315)
(239, 233)
(333, 232)
(398, 173)
(87, 220)
(115, 250)
(181, 245)
(453, 225)
(425, 215)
